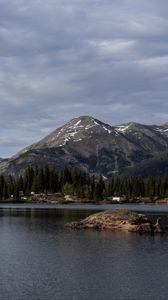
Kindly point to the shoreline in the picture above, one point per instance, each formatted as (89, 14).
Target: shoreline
(80, 202)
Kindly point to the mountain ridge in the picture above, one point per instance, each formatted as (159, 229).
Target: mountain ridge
(94, 147)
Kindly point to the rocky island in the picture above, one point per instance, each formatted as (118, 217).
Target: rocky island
(119, 219)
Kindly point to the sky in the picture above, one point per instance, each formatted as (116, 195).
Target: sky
(61, 59)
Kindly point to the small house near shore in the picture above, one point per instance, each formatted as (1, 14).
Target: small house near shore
(116, 199)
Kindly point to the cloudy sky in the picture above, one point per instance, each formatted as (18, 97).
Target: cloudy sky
(60, 59)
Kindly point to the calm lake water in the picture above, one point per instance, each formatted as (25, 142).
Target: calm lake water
(41, 259)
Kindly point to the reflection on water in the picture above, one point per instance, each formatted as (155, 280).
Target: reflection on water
(41, 259)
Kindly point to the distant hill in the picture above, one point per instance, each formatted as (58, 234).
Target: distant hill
(98, 148)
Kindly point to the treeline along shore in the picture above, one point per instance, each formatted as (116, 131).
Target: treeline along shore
(80, 185)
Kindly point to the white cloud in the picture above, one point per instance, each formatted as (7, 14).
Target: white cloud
(110, 47)
(148, 24)
(159, 64)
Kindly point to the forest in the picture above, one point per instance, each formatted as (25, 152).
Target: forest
(76, 183)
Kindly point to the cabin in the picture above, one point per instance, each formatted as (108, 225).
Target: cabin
(116, 199)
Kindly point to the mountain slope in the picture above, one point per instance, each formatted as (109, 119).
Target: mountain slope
(94, 147)
(155, 167)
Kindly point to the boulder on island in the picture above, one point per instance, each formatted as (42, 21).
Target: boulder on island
(119, 219)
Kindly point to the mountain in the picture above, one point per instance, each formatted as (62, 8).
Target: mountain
(155, 167)
(97, 148)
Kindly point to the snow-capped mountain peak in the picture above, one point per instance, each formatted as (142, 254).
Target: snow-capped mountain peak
(76, 130)
(93, 146)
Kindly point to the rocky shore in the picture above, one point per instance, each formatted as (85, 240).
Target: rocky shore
(119, 219)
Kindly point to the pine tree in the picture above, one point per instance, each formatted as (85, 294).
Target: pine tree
(54, 185)
(150, 188)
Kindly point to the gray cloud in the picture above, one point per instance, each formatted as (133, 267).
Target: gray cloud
(60, 59)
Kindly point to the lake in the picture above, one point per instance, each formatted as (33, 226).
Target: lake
(41, 259)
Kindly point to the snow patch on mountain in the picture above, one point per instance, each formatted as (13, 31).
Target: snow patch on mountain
(89, 126)
(77, 123)
(122, 128)
(161, 130)
(106, 129)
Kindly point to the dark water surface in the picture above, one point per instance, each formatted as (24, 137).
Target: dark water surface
(41, 259)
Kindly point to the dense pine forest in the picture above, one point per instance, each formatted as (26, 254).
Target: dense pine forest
(72, 182)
